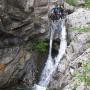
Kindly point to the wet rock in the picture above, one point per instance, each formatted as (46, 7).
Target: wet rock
(17, 18)
(64, 79)
(19, 24)
(13, 65)
(76, 54)
(29, 73)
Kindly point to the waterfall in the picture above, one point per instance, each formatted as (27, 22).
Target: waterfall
(52, 30)
(52, 63)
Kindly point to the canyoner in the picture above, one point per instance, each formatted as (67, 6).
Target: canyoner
(52, 63)
(56, 11)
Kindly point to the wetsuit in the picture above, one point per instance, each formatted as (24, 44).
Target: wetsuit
(56, 12)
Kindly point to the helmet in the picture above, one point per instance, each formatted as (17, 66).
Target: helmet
(62, 6)
(55, 3)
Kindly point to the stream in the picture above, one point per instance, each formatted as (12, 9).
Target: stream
(52, 63)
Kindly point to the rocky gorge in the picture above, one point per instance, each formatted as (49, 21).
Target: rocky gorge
(24, 36)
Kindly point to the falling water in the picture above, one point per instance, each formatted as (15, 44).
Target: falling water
(51, 64)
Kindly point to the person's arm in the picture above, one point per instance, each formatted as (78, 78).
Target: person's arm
(52, 10)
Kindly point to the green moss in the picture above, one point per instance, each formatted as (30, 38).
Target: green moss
(38, 45)
(81, 29)
(87, 4)
(84, 76)
(71, 2)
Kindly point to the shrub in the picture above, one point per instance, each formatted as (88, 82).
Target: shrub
(87, 4)
(34, 44)
(40, 46)
(85, 75)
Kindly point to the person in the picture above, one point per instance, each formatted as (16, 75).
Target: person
(61, 7)
(55, 12)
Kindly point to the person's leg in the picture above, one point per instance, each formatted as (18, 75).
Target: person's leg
(62, 15)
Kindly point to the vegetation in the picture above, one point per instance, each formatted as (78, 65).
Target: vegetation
(38, 45)
(87, 4)
(81, 29)
(88, 45)
(84, 76)
(71, 2)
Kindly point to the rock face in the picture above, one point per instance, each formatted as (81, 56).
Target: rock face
(14, 63)
(39, 3)
(23, 20)
(18, 25)
(77, 53)
(79, 18)
(19, 21)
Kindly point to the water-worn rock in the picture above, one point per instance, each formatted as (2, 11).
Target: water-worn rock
(21, 20)
(14, 63)
(64, 78)
(16, 19)
(79, 18)
(76, 54)
(18, 24)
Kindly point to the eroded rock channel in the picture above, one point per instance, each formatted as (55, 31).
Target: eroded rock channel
(24, 44)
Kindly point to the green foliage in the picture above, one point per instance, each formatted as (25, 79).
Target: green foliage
(36, 44)
(40, 46)
(85, 75)
(81, 29)
(87, 4)
(71, 2)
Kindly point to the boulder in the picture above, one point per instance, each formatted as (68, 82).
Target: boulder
(69, 7)
(80, 2)
(79, 18)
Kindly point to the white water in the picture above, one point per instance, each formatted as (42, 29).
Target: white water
(51, 64)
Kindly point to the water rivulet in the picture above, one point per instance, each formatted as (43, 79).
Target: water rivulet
(52, 63)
